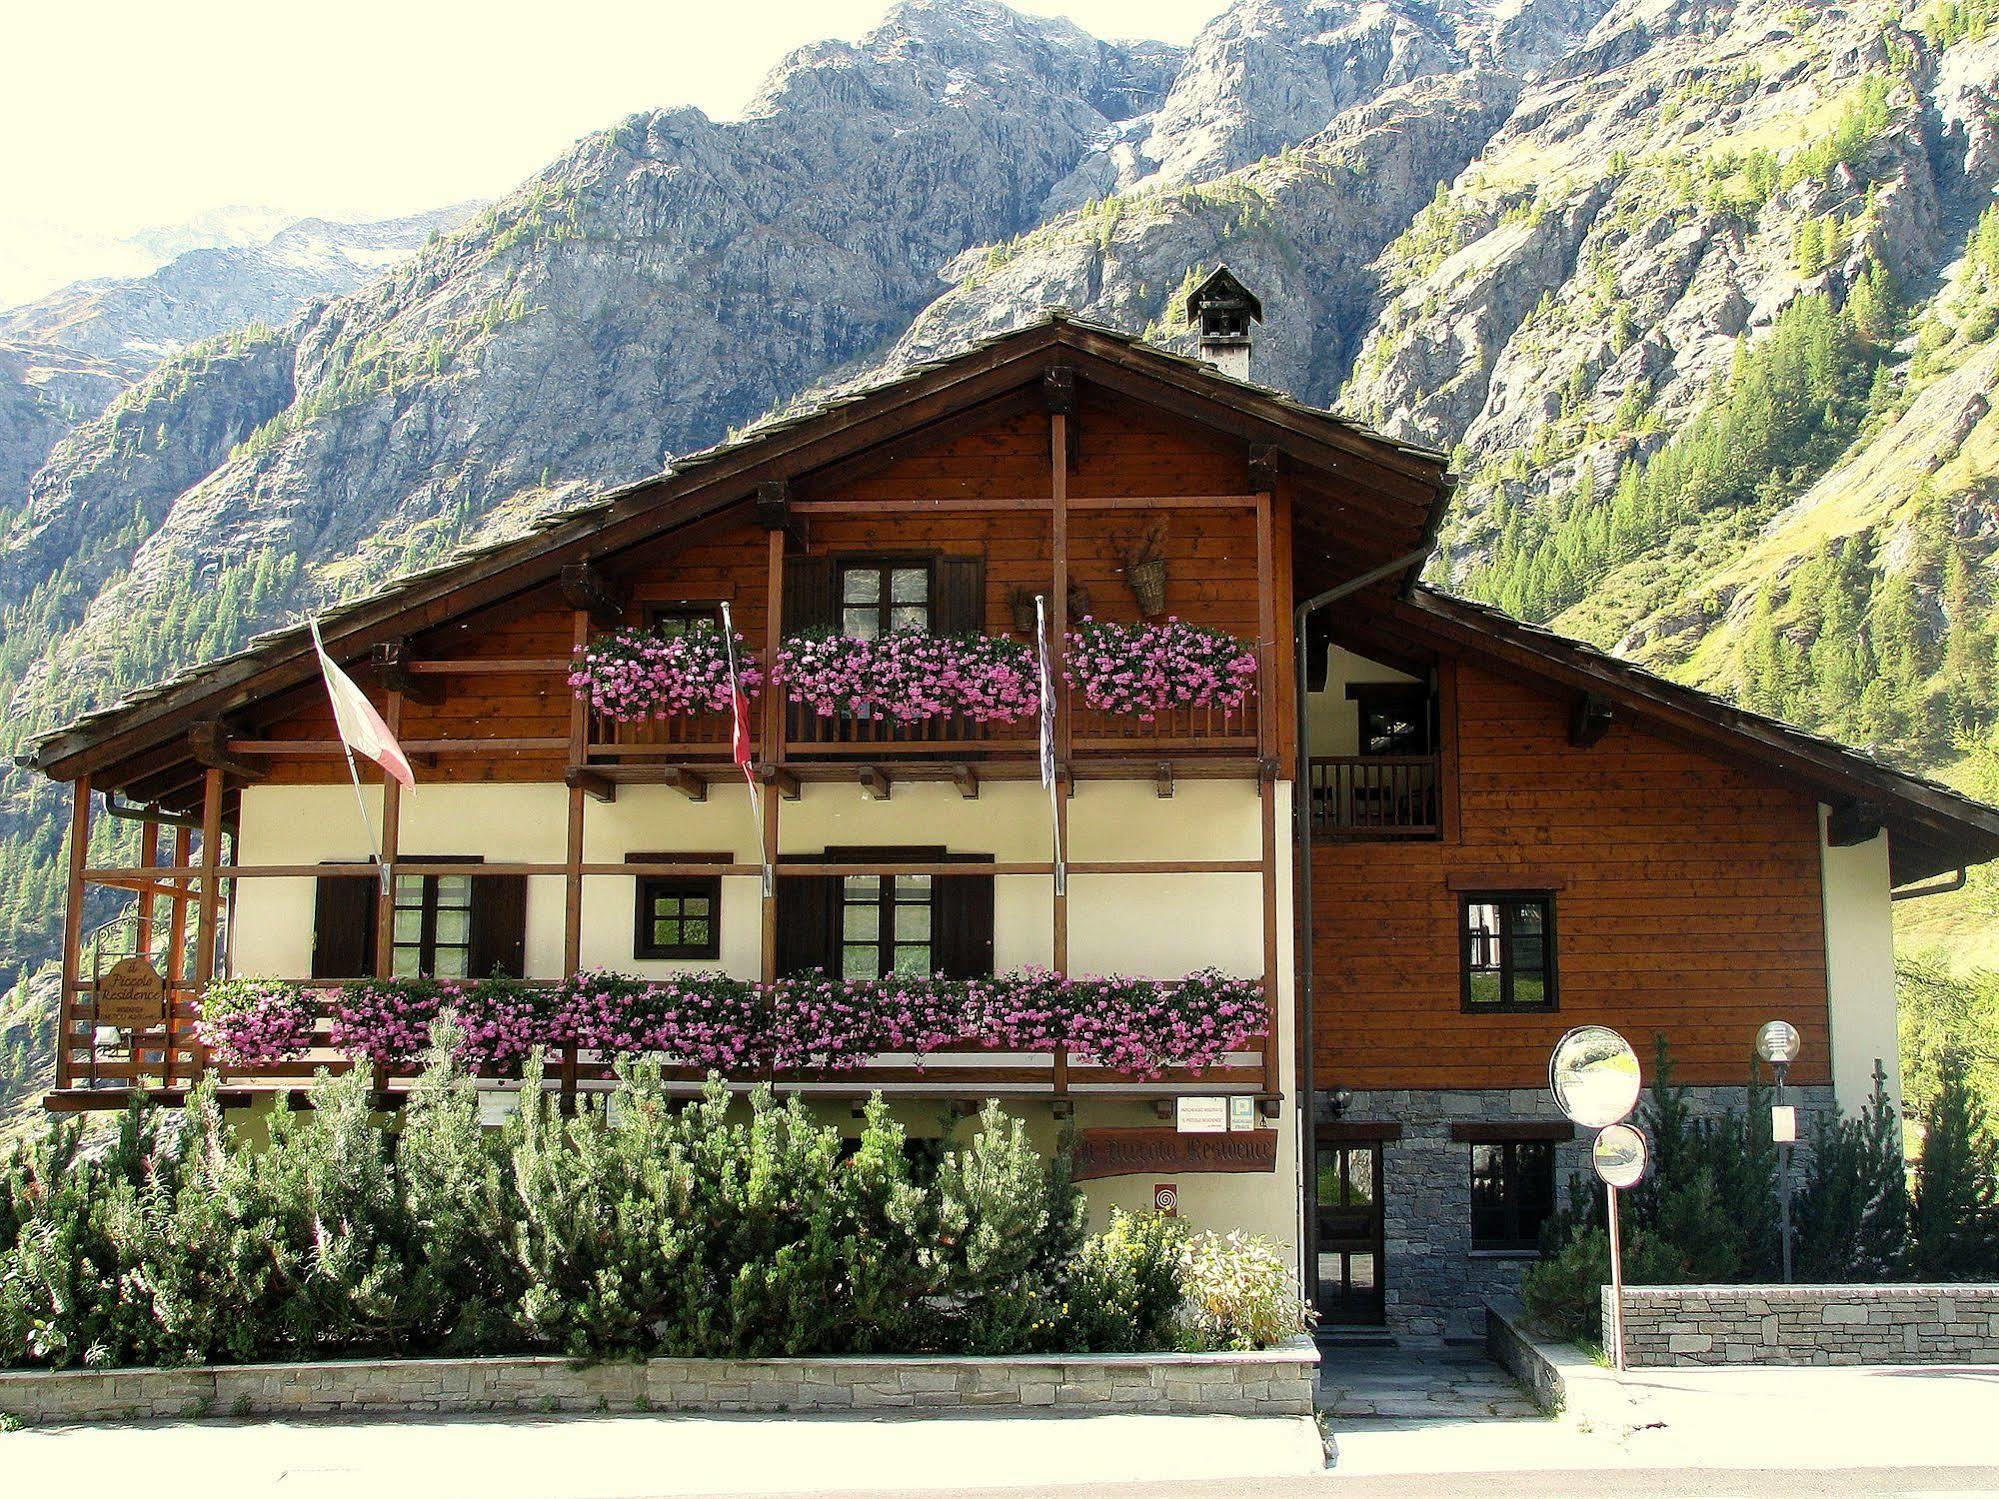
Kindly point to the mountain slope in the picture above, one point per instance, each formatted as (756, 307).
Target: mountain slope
(1702, 293)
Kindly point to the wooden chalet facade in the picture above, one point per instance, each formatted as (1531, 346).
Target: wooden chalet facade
(1436, 838)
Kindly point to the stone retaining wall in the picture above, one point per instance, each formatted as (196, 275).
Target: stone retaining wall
(1941, 1324)
(1274, 1382)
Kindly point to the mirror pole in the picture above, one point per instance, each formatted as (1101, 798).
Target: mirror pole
(1616, 1328)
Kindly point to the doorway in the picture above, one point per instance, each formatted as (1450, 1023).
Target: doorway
(1348, 1234)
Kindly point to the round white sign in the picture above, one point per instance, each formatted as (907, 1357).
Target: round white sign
(1619, 1155)
(1779, 1042)
(1594, 1076)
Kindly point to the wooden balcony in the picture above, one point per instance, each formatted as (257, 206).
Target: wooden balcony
(1364, 798)
(104, 1073)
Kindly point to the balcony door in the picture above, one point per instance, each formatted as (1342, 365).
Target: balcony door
(1348, 1235)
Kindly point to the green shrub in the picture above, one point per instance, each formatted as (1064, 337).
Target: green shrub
(1565, 1290)
(1124, 1292)
(1954, 1219)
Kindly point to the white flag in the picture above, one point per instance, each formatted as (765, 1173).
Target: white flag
(361, 727)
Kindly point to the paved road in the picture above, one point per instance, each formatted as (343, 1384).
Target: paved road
(1622, 1483)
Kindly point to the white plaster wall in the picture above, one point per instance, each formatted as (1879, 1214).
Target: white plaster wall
(1156, 925)
(1860, 968)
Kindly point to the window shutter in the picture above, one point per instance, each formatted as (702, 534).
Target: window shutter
(343, 927)
(499, 926)
(961, 595)
(962, 908)
(808, 914)
(808, 594)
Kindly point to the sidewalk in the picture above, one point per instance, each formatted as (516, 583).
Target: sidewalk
(617, 1457)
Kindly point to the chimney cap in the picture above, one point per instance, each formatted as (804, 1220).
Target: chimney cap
(1222, 292)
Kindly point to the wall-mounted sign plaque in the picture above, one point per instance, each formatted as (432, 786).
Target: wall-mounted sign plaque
(1202, 1116)
(1130, 1152)
(132, 994)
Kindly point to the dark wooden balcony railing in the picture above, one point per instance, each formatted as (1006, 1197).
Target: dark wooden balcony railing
(686, 736)
(1362, 797)
(808, 733)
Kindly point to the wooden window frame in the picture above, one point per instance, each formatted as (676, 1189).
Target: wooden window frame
(885, 942)
(651, 886)
(884, 563)
(1510, 1175)
(427, 908)
(1507, 1004)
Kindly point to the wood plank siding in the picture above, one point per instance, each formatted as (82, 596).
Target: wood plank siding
(1687, 897)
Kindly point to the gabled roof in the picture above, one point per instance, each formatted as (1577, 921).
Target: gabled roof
(1364, 501)
(1401, 486)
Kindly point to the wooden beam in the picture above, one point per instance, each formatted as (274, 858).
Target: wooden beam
(1058, 390)
(786, 782)
(776, 512)
(1162, 780)
(1852, 823)
(688, 783)
(1264, 461)
(392, 823)
(587, 587)
(395, 663)
(875, 782)
(72, 923)
(966, 779)
(1590, 719)
(592, 783)
(208, 743)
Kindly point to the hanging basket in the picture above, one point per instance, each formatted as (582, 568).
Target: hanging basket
(1148, 586)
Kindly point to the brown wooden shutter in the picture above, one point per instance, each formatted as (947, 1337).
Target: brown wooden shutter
(961, 907)
(343, 927)
(808, 923)
(808, 594)
(499, 926)
(961, 595)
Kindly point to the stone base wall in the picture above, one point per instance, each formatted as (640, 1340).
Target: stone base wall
(1435, 1284)
(1273, 1382)
(1795, 1325)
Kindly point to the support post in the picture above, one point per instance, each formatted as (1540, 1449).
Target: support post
(1060, 387)
(208, 907)
(1268, 770)
(572, 874)
(72, 927)
(176, 964)
(1783, 1178)
(1615, 1331)
(392, 817)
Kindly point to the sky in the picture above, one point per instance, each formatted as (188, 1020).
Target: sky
(120, 114)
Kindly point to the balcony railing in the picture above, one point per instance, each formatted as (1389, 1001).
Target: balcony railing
(1363, 797)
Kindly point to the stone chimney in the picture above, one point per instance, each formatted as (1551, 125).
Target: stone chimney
(1223, 308)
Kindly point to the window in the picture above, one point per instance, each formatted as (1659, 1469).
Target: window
(678, 915)
(885, 925)
(1396, 718)
(1508, 948)
(875, 925)
(671, 620)
(881, 596)
(433, 926)
(1512, 1193)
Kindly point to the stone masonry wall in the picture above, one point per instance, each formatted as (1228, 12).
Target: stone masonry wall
(1273, 1382)
(1436, 1284)
(1943, 1324)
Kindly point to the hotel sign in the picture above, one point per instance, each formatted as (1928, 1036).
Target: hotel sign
(1131, 1152)
(132, 995)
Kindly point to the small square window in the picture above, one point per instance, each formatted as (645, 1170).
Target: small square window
(880, 597)
(678, 916)
(1506, 944)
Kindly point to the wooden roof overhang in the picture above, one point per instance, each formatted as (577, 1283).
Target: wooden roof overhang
(1386, 496)
(1932, 828)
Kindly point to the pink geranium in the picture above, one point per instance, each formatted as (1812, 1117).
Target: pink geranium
(1146, 670)
(635, 674)
(910, 676)
(256, 1022)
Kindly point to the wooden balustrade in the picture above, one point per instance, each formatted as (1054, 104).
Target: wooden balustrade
(1362, 797)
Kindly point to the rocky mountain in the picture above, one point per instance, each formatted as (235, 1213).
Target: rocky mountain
(212, 289)
(1704, 294)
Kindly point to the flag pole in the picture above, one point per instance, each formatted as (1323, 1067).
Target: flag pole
(353, 771)
(741, 734)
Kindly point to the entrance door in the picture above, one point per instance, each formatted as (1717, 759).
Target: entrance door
(1349, 1238)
